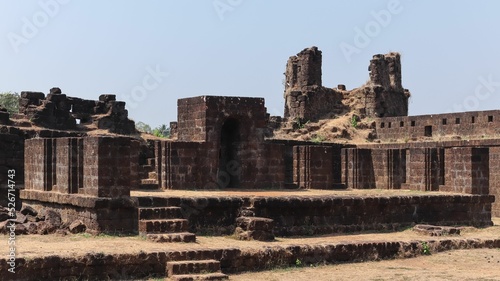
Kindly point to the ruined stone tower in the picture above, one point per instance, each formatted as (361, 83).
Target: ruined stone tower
(304, 69)
(385, 70)
(385, 95)
(306, 99)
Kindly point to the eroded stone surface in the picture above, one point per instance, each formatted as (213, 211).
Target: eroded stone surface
(433, 230)
(307, 99)
(58, 111)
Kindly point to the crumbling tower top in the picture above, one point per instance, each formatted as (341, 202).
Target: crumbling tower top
(385, 70)
(307, 99)
(304, 69)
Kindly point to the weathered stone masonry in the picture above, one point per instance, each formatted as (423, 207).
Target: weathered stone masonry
(307, 99)
(53, 115)
(468, 167)
(220, 145)
(87, 179)
(463, 125)
(58, 111)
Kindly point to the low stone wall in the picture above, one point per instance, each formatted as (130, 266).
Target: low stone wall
(463, 125)
(195, 165)
(99, 266)
(111, 215)
(314, 166)
(332, 214)
(320, 215)
(452, 166)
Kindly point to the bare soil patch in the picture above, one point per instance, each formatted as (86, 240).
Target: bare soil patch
(480, 264)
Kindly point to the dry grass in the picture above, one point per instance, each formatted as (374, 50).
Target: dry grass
(337, 129)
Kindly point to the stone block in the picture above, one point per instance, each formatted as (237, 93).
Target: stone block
(255, 223)
(107, 97)
(77, 227)
(432, 230)
(258, 235)
(32, 95)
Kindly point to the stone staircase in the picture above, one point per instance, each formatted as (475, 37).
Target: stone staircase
(250, 227)
(164, 224)
(195, 270)
(148, 176)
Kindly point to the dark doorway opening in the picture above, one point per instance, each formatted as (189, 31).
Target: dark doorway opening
(229, 163)
(428, 131)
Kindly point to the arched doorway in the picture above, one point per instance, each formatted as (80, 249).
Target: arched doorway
(229, 164)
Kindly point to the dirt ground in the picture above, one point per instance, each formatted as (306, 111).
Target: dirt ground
(473, 264)
(482, 264)
(28, 246)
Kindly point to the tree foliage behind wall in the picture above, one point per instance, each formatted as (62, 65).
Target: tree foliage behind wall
(161, 131)
(10, 101)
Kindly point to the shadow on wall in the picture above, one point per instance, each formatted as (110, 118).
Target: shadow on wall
(230, 141)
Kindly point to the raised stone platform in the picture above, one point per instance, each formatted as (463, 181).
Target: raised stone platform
(317, 212)
(99, 214)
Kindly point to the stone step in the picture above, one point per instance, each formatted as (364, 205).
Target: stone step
(192, 267)
(163, 226)
(290, 186)
(160, 213)
(148, 187)
(149, 181)
(200, 277)
(254, 228)
(259, 235)
(148, 184)
(186, 237)
(255, 223)
(144, 170)
(152, 175)
(247, 212)
(152, 201)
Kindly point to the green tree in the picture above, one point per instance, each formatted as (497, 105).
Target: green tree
(162, 131)
(10, 101)
(143, 127)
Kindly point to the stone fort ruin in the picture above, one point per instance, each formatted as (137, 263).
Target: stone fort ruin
(83, 161)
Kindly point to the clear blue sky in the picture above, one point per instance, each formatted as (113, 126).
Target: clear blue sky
(450, 49)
